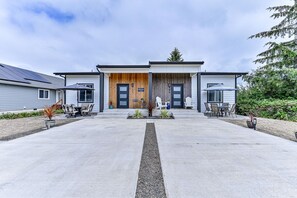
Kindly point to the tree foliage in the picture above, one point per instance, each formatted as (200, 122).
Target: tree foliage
(280, 54)
(175, 56)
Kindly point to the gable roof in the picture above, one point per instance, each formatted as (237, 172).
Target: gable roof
(22, 77)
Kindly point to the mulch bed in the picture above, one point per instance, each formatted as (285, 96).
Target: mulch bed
(150, 177)
(18, 135)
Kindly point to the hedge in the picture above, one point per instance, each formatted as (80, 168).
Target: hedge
(276, 109)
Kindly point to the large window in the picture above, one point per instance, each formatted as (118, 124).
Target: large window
(86, 96)
(43, 94)
(214, 96)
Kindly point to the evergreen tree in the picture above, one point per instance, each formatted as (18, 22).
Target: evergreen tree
(175, 56)
(280, 54)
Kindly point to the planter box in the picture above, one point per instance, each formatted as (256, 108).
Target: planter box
(249, 124)
(50, 123)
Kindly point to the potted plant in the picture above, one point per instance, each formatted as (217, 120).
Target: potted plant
(150, 108)
(110, 105)
(49, 113)
(252, 122)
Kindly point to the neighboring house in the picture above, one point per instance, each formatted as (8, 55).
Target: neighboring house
(24, 89)
(125, 86)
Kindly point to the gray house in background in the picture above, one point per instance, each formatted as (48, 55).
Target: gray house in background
(24, 89)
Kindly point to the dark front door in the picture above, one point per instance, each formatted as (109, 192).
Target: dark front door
(123, 96)
(177, 95)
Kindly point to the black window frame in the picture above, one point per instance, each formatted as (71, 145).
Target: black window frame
(90, 85)
(220, 92)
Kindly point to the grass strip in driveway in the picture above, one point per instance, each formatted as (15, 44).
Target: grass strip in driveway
(150, 177)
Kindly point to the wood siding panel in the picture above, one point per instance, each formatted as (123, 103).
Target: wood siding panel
(161, 82)
(139, 80)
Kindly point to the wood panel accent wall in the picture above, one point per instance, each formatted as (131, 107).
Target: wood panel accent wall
(161, 82)
(139, 81)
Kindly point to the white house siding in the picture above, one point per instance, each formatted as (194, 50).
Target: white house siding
(71, 96)
(13, 97)
(106, 91)
(227, 80)
(194, 90)
(175, 69)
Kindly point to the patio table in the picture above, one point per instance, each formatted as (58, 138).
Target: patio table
(78, 109)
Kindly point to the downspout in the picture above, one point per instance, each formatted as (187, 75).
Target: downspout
(101, 91)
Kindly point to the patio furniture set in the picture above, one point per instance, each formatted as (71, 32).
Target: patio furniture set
(220, 109)
(73, 111)
(166, 105)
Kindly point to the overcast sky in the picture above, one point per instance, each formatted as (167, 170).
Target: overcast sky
(71, 35)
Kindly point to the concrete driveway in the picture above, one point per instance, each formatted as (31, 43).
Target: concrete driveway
(212, 158)
(88, 158)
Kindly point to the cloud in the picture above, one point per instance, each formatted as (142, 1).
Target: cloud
(51, 12)
(51, 36)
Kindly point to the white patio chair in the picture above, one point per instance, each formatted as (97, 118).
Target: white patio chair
(159, 104)
(71, 111)
(188, 103)
(87, 111)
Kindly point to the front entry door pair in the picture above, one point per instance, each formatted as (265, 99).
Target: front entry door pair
(177, 95)
(123, 96)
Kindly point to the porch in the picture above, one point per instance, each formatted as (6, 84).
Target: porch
(135, 90)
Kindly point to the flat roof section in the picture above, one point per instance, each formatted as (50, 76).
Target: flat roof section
(123, 66)
(176, 63)
(77, 73)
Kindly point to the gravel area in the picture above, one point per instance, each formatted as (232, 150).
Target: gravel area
(11, 129)
(280, 128)
(150, 177)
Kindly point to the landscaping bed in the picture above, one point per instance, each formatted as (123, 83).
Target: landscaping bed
(151, 117)
(280, 128)
(15, 128)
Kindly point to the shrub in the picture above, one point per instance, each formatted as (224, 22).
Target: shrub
(137, 114)
(10, 116)
(276, 109)
(49, 112)
(164, 114)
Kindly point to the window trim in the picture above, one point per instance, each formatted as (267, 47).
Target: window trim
(222, 93)
(44, 90)
(78, 93)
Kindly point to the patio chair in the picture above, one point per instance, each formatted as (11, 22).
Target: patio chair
(159, 104)
(64, 108)
(188, 103)
(85, 106)
(232, 110)
(215, 109)
(225, 108)
(71, 110)
(87, 111)
(207, 108)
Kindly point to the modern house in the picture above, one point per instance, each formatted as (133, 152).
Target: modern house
(129, 86)
(23, 89)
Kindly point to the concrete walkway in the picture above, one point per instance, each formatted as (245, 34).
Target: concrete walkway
(212, 158)
(88, 158)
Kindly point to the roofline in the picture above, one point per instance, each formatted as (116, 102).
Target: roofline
(178, 63)
(123, 66)
(77, 73)
(223, 73)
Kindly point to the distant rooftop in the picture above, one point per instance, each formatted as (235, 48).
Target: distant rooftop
(18, 76)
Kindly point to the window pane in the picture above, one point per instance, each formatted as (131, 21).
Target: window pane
(89, 97)
(82, 96)
(176, 95)
(123, 88)
(45, 94)
(176, 103)
(123, 95)
(123, 103)
(41, 94)
(176, 88)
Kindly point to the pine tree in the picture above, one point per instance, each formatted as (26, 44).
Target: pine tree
(175, 56)
(280, 54)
